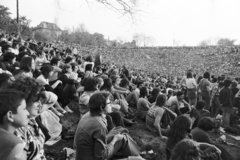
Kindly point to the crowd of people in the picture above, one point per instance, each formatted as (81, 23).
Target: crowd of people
(171, 90)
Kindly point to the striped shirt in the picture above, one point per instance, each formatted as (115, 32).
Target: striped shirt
(34, 138)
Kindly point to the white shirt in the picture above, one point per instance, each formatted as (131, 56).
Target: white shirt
(190, 83)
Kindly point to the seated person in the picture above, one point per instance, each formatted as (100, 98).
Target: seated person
(188, 149)
(180, 129)
(177, 104)
(206, 125)
(198, 113)
(13, 115)
(91, 139)
(143, 105)
(156, 117)
(154, 95)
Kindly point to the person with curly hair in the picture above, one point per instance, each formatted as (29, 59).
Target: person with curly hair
(32, 134)
(188, 149)
(180, 129)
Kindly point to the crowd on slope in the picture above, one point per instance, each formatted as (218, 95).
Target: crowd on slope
(38, 81)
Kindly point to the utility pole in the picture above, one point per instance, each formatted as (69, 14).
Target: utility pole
(18, 19)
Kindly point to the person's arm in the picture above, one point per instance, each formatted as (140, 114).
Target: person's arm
(17, 153)
(186, 104)
(169, 110)
(158, 115)
(65, 79)
(120, 88)
(101, 149)
(56, 84)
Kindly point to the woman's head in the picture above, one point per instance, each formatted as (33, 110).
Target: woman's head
(99, 103)
(143, 92)
(91, 84)
(27, 64)
(180, 128)
(206, 124)
(161, 100)
(47, 71)
(31, 89)
(186, 149)
(107, 84)
(156, 92)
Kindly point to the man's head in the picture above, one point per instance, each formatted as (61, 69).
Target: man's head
(13, 108)
(180, 95)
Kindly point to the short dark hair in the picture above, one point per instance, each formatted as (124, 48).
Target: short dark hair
(4, 77)
(97, 102)
(88, 67)
(68, 59)
(227, 83)
(143, 91)
(26, 64)
(200, 105)
(124, 82)
(161, 99)
(189, 74)
(9, 56)
(179, 93)
(214, 80)
(54, 61)
(206, 124)
(5, 47)
(46, 69)
(206, 75)
(90, 84)
(89, 59)
(10, 100)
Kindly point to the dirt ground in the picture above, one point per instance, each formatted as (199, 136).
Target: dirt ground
(146, 140)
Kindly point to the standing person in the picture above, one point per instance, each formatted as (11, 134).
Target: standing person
(215, 107)
(205, 87)
(225, 98)
(191, 89)
(13, 115)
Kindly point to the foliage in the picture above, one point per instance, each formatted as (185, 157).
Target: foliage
(142, 40)
(226, 42)
(10, 25)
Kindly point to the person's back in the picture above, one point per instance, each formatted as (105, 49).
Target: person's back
(142, 108)
(87, 131)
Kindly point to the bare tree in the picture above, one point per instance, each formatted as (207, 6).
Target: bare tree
(142, 40)
(125, 7)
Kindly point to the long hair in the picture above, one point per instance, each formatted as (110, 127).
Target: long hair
(180, 129)
(26, 64)
(186, 149)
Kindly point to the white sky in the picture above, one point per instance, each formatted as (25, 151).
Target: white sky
(186, 21)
